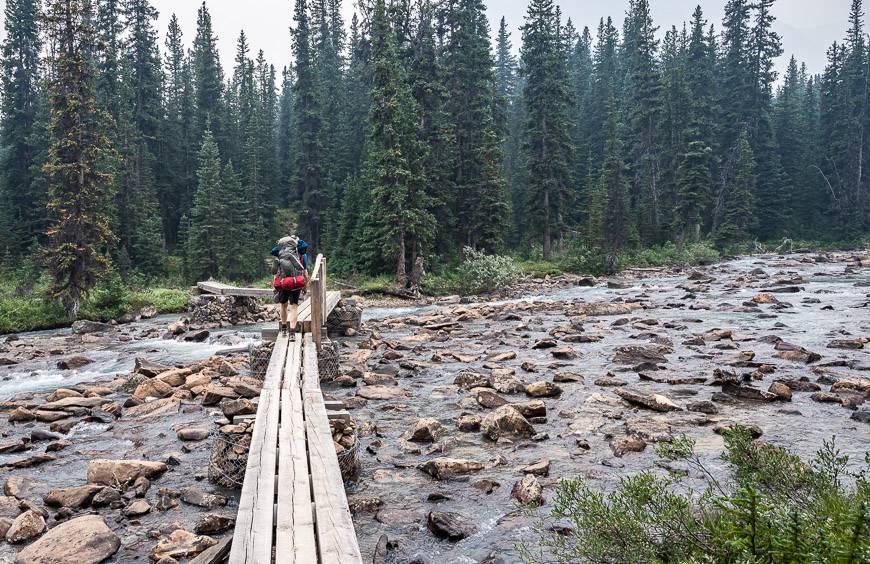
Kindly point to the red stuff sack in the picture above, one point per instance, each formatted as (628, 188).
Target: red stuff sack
(289, 283)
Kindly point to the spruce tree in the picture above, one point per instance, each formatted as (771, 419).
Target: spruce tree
(23, 207)
(738, 219)
(205, 237)
(482, 209)
(309, 182)
(693, 183)
(615, 219)
(285, 138)
(548, 148)
(80, 187)
(398, 217)
(643, 107)
(208, 79)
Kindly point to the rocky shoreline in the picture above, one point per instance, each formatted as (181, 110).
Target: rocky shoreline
(464, 412)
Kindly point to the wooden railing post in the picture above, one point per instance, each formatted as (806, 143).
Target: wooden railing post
(318, 303)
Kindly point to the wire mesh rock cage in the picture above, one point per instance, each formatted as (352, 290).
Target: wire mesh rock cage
(258, 360)
(346, 315)
(345, 436)
(229, 455)
(328, 361)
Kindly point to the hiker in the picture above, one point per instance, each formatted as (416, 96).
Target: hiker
(291, 278)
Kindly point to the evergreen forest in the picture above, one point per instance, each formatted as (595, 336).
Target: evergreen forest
(413, 135)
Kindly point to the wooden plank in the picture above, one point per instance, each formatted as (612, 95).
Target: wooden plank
(333, 405)
(248, 292)
(294, 525)
(335, 533)
(214, 554)
(212, 287)
(316, 312)
(342, 415)
(252, 542)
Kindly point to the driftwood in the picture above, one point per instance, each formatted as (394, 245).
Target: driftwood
(392, 292)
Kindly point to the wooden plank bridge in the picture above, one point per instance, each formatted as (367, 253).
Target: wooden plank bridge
(293, 508)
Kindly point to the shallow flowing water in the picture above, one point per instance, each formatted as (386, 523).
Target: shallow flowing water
(588, 411)
(583, 411)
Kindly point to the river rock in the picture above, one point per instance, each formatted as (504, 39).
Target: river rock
(426, 430)
(638, 355)
(848, 344)
(780, 390)
(149, 368)
(122, 472)
(108, 497)
(21, 415)
(627, 444)
(468, 380)
(862, 416)
(852, 384)
(61, 393)
(451, 526)
(9, 507)
(74, 363)
(19, 487)
(175, 377)
(137, 508)
(364, 504)
(489, 399)
(531, 408)
(181, 544)
(74, 498)
(446, 468)
(30, 461)
(795, 353)
(241, 406)
(72, 402)
(656, 402)
(539, 468)
(212, 394)
(154, 409)
(504, 382)
(545, 344)
(564, 353)
(213, 523)
(747, 392)
(528, 491)
(506, 421)
(379, 392)
(562, 377)
(83, 540)
(543, 389)
(84, 327)
(152, 388)
(193, 433)
(468, 422)
(195, 496)
(25, 527)
(704, 406)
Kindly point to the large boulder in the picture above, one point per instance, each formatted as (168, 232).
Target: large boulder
(451, 526)
(74, 498)
(181, 544)
(528, 491)
(152, 388)
(446, 468)
(83, 540)
(148, 368)
(543, 389)
(154, 409)
(380, 392)
(123, 472)
(426, 430)
(25, 527)
(656, 402)
(506, 421)
(84, 326)
(639, 355)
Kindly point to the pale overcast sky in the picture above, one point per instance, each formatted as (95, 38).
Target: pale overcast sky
(808, 27)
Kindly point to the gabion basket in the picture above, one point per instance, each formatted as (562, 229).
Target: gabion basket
(346, 315)
(348, 460)
(258, 360)
(229, 458)
(328, 361)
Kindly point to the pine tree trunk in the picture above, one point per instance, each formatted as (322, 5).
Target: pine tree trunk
(401, 274)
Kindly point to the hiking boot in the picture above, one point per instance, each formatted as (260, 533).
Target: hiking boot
(282, 328)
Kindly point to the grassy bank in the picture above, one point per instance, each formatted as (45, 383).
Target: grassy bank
(24, 305)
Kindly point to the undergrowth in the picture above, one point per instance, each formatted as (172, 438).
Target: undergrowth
(772, 507)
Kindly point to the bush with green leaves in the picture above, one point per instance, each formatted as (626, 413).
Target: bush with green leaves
(773, 507)
(480, 272)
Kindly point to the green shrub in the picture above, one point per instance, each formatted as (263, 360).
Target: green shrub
(773, 507)
(481, 272)
(669, 255)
